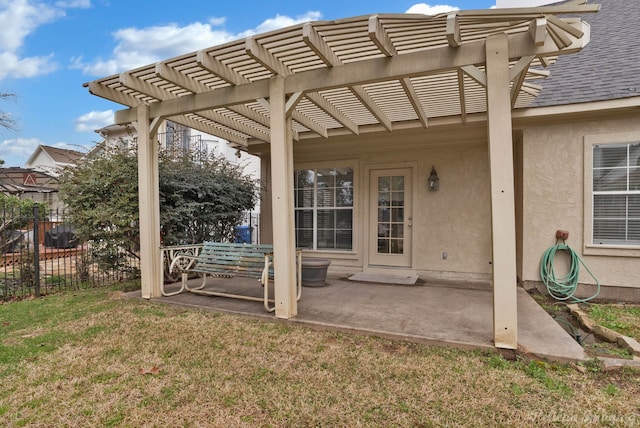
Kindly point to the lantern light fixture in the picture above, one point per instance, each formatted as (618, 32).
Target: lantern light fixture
(434, 181)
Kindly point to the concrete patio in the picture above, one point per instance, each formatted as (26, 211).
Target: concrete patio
(456, 315)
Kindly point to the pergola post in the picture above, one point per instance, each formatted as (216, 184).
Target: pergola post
(282, 202)
(266, 212)
(503, 226)
(149, 206)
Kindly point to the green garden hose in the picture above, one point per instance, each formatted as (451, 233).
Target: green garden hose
(564, 288)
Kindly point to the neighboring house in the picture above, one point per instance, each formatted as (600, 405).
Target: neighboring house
(26, 183)
(52, 160)
(38, 179)
(173, 136)
(434, 146)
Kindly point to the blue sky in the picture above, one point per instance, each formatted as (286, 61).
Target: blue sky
(48, 49)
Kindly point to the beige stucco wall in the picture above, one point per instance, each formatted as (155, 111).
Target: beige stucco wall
(455, 219)
(553, 198)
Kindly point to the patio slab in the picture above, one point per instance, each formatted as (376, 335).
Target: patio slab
(443, 315)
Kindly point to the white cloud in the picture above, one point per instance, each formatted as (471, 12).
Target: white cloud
(427, 9)
(281, 21)
(18, 19)
(217, 21)
(94, 120)
(74, 4)
(14, 66)
(16, 150)
(140, 46)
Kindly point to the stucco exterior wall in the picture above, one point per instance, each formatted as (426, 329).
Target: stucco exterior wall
(553, 186)
(455, 219)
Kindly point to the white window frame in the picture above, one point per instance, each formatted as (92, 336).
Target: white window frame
(591, 248)
(355, 227)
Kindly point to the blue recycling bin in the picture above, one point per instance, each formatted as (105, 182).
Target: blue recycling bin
(243, 234)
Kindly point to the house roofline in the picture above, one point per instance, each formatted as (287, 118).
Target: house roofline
(550, 114)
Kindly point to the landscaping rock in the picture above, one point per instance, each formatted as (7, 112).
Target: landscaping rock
(606, 334)
(610, 364)
(581, 316)
(630, 344)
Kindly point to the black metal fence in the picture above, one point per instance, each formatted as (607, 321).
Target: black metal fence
(40, 254)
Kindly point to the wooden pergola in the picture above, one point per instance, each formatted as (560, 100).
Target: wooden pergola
(376, 73)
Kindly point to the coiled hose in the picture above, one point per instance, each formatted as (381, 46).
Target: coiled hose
(564, 288)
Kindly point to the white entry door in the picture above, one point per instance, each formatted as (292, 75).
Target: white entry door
(390, 217)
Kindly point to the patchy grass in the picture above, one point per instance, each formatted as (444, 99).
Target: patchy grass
(90, 359)
(623, 319)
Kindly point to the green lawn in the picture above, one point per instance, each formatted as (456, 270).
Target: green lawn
(94, 359)
(625, 320)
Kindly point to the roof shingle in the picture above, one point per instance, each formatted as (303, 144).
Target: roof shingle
(607, 68)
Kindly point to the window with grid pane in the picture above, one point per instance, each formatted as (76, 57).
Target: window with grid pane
(324, 208)
(616, 194)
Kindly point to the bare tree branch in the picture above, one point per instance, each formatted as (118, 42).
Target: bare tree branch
(6, 121)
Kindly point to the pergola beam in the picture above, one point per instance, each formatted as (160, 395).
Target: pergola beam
(332, 111)
(453, 30)
(111, 94)
(192, 122)
(167, 73)
(234, 124)
(256, 116)
(129, 81)
(216, 67)
(371, 105)
(538, 30)
(256, 51)
(309, 123)
(319, 46)
(380, 37)
(415, 101)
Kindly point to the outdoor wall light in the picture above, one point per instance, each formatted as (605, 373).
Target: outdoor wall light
(434, 181)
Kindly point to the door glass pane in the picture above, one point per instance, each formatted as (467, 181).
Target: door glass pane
(397, 199)
(397, 214)
(384, 214)
(391, 220)
(397, 183)
(397, 231)
(384, 183)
